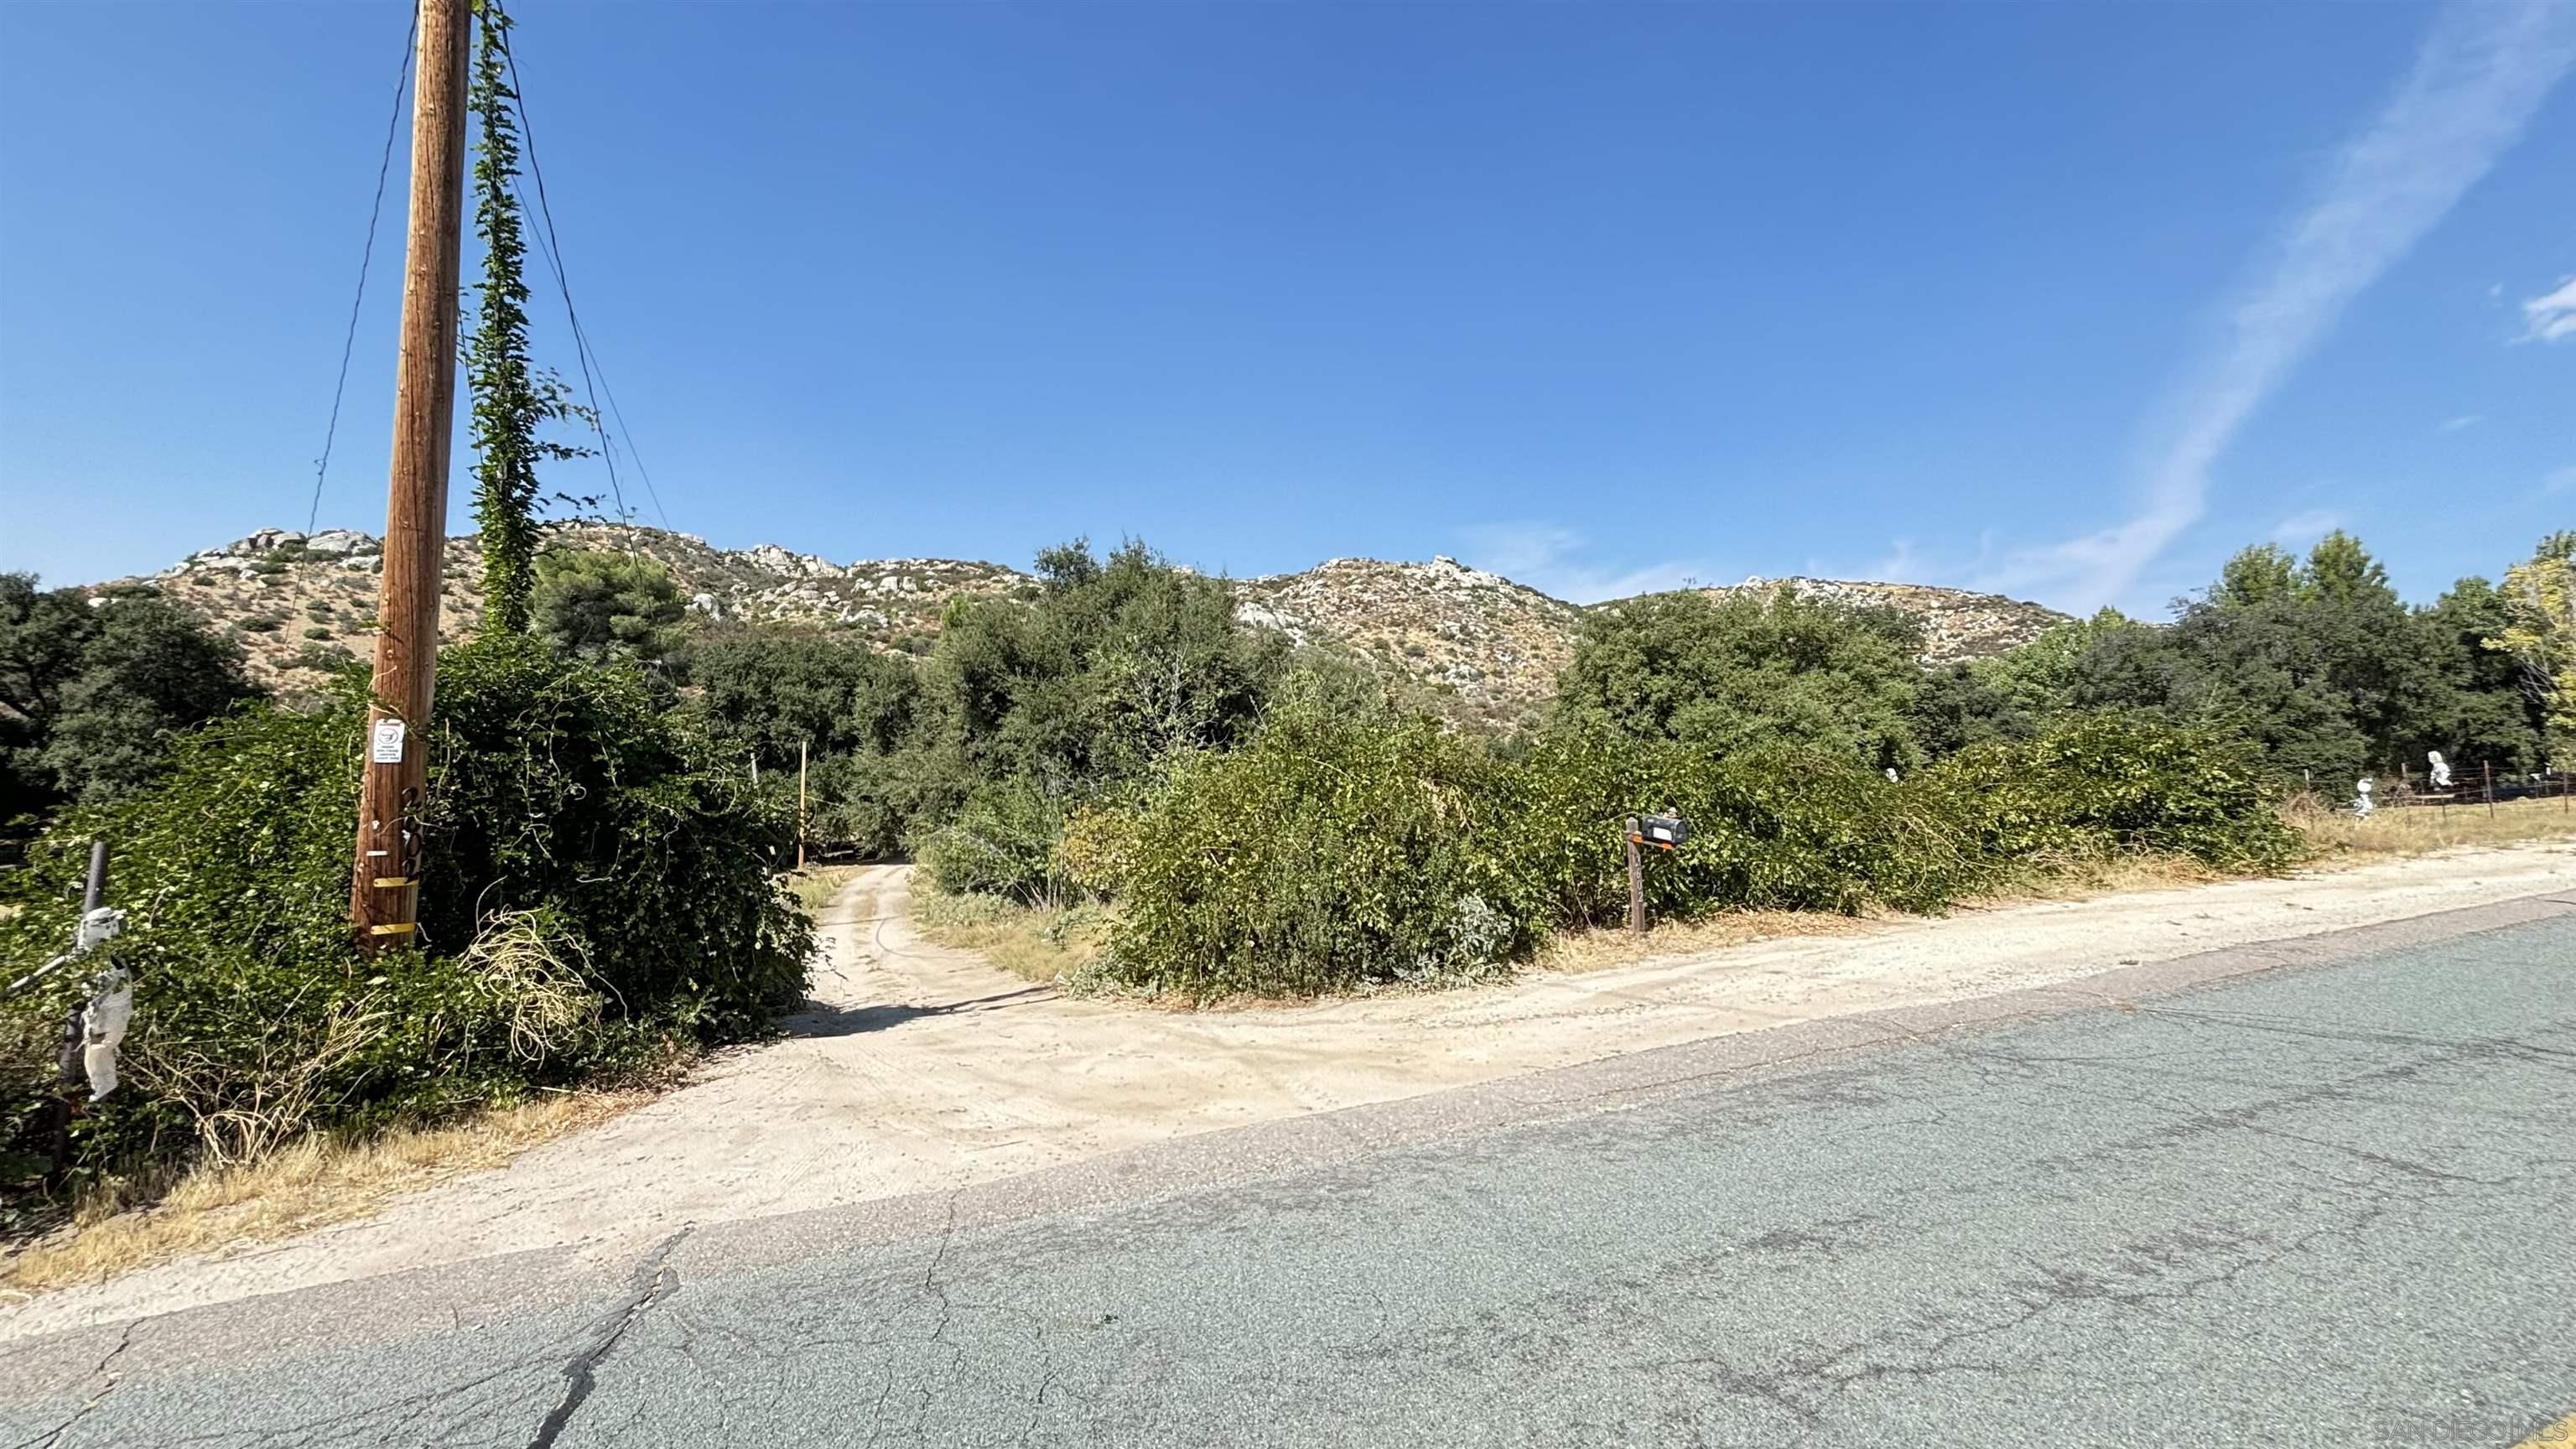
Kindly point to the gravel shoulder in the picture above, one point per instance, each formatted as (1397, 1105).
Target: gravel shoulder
(918, 1068)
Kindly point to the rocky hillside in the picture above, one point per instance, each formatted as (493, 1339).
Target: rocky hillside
(1957, 624)
(299, 602)
(1489, 647)
(1493, 645)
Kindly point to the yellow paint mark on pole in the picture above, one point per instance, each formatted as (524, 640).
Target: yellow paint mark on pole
(2561, 1435)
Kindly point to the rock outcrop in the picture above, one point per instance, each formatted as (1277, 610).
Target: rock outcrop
(1479, 645)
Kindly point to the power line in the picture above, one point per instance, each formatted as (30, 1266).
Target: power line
(375, 210)
(594, 376)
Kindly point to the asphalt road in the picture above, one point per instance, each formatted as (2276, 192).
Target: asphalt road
(2322, 1194)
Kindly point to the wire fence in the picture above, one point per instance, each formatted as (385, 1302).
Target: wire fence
(2482, 785)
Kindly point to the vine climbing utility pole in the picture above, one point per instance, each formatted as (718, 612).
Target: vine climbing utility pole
(384, 897)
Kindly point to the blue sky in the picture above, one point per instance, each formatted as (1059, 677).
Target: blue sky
(2067, 300)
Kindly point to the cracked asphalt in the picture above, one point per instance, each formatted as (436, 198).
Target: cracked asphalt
(2268, 1197)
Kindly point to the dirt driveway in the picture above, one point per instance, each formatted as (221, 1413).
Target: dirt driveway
(920, 1068)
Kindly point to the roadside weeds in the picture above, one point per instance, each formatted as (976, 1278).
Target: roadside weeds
(1034, 943)
(311, 1183)
(2340, 841)
(815, 885)
(126, 1223)
(2425, 829)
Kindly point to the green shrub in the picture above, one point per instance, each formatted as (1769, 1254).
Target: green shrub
(591, 886)
(1343, 847)
(867, 802)
(1333, 851)
(1780, 828)
(561, 785)
(1001, 842)
(2117, 781)
(255, 1015)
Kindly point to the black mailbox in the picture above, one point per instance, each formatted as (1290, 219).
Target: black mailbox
(1661, 831)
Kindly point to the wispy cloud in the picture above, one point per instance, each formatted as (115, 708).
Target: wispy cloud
(2551, 317)
(2464, 420)
(1900, 564)
(2304, 528)
(2475, 83)
(1552, 560)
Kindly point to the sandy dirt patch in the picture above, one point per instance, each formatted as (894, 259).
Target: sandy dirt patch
(919, 1068)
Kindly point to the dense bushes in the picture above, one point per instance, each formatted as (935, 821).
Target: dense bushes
(91, 691)
(1335, 848)
(592, 886)
(1032, 707)
(561, 787)
(1775, 827)
(1002, 841)
(2111, 782)
(1341, 848)
(1028, 707)
(1350, 842)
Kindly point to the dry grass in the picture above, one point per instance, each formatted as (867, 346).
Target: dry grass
(2084, 879)
(1035, 943)
(815, 885)
(1600, 949)
(2340, 842)
(2423, 829)
(305, 1185)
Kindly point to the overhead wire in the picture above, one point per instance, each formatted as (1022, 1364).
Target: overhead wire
(366, 259)
(594, 376)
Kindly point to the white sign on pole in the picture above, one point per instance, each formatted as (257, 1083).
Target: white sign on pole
(386, 745)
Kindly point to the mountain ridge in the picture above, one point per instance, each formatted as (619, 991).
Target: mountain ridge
(300, 602)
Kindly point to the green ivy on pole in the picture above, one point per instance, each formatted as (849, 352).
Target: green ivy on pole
(506, 408)
(510, 399)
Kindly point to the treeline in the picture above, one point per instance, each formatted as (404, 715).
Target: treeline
(2315, 664)
(1276, 820)
(1022, 712)
(1026, 710)
(93, 689)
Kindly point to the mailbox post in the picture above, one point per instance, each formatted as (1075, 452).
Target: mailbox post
(1636, 881)
(1664, 832)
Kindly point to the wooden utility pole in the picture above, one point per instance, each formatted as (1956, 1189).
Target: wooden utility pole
(800, 804)
(384, 894)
